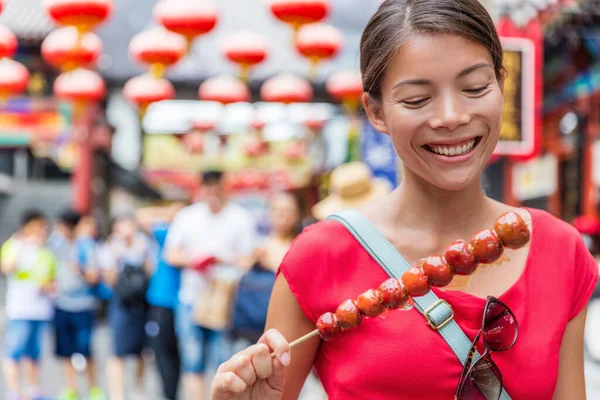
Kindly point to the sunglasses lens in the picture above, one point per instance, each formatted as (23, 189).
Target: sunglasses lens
(484, 382)
(500, 327)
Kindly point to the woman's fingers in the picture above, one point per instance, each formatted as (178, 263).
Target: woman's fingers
(276, 380)
(277, 343)
(245, 370)
(226, 385)
(262, 362)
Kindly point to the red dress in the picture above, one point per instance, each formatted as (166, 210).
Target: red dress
(400, 357)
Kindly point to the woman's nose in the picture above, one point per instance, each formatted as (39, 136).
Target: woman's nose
(450, 114)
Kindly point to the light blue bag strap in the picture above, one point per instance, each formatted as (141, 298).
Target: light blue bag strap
(438, 313)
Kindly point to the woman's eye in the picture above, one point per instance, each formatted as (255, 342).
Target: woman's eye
(415, 102)
(477, 90)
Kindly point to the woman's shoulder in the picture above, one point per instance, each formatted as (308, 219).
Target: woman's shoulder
(325, 238)
(550, 229)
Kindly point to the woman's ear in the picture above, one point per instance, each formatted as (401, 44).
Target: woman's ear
(374, 111)
(503, 74)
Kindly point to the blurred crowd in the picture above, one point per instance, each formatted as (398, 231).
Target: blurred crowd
(188, 282)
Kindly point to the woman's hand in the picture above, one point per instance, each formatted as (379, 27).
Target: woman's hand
(253, 374)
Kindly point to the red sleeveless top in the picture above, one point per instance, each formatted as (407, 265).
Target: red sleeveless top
(400, 357)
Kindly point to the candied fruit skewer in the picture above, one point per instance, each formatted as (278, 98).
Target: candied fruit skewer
(460, 258)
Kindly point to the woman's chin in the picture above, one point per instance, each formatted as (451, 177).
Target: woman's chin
(455, 182)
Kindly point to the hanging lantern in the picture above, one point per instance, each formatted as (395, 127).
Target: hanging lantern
(318, 42)
(224, 89)
(247, 49)
(258, 124)
(158, 48)
(8, 42)
(65, 50)
(256, 148)
(295, 152)
(14, 78)
(299, 12)
(80, 86)
(187, 18)
(314, 124)
(144, 90)
(1, 5)
(346, 87)
(286, 88)
(85, 15)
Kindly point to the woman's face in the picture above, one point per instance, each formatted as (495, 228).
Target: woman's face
(442, 106)
(284, 214)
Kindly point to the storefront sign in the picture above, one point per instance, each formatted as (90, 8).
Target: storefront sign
(535, 178)
(379, 153)
(517, 137)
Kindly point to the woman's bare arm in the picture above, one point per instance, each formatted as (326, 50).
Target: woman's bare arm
(571, 379)
(287, 317)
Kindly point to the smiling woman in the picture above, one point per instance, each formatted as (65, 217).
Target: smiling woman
(433, 78)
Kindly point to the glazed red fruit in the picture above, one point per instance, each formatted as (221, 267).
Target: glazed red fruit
(512, 230)
(328, 326)
(348, 315)
(393, 294)
(486, 246)
(370, 303)
(437, 270)
(459, 256)
(415, 281)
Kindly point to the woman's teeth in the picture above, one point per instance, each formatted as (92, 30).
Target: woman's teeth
(453, 150)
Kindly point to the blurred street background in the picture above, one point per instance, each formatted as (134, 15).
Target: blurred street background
(117, 114)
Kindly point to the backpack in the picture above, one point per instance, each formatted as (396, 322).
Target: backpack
(131, 286)
(252, 302)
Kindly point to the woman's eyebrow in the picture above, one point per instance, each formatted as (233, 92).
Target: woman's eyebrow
(472, 68)
(424, 82)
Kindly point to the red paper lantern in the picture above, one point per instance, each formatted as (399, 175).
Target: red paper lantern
(345, 87)
(318, 42)
(314, 124)
(295, 152)
(286, 88)
(8, 42)
(299, 12)
(224, 89)
(1, 5)
(187, 18)
(193, 142)
(144, 90)
(256, 148)
(246, 49)
(65, 50)
(80, 86)
(14, 78)
(258, 124)
(85, 15)
(158, 48)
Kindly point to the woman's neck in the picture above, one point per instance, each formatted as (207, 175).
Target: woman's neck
(418, 203)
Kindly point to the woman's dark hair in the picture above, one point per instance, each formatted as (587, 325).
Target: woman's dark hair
(396, 20)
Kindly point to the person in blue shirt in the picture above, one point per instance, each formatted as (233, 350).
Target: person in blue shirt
(162, 297)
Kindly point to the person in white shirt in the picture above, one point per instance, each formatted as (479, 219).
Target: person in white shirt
(216, 229)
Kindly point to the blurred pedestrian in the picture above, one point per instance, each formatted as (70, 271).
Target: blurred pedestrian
(30, 268)
(162, 297)
(128, 252)
(77, 274)
(254, 289)
(208, 239)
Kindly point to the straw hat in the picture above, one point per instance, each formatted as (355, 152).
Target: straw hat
(352, 185)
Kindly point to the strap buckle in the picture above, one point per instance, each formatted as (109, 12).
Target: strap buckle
(433, 324)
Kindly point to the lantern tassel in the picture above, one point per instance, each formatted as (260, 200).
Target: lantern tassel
(157, 70)
(313, 71)
(245, 72)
